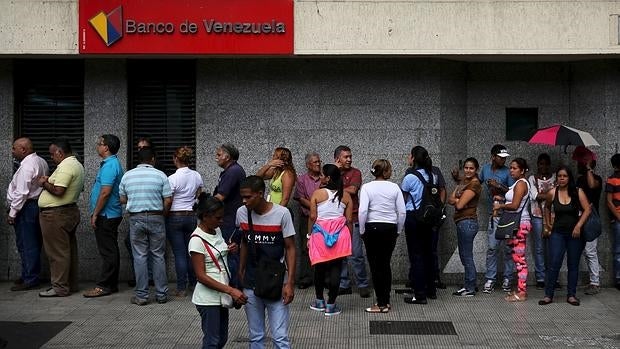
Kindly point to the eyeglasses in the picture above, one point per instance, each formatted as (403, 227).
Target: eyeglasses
(99, 144)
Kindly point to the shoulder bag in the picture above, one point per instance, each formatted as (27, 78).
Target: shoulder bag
(592, 228)
(269, 275)
(225, 299)
(509, 221)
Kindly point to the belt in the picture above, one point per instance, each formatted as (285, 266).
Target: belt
(147, 213)
(57, 207)
(33, 200)
(181, 213)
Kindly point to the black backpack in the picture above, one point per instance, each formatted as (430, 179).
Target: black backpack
(431, 211)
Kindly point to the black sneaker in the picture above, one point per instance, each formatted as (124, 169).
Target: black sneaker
(347, 290)
(413, 300)
(440, 285)
(364, 292)
(464, 293)
(618, 286)
(540, 285)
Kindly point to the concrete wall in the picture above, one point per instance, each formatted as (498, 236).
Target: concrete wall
(418, 27)
(39, 27)
(379, 107)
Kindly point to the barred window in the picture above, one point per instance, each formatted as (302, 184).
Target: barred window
(162, 107)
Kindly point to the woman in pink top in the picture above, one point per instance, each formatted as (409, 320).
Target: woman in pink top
(331, 212)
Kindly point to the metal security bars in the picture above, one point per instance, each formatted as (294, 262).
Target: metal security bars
(162, 107)
(49, 103)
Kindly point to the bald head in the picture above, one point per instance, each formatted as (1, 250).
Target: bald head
(22, 147)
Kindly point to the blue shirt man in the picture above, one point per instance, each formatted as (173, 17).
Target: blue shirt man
(106, 215)
(497, 178)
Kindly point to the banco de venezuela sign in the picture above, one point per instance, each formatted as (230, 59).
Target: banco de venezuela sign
(242, 27)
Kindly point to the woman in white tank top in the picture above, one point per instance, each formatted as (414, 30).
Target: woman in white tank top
(331, 213)
(517, 199)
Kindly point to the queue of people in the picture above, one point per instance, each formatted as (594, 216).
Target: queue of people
(237, 247)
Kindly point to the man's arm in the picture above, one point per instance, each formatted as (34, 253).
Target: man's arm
(123, 199)
(51, 188)
(167, 204)
(104, 195)
(612, 207)
(288, 293)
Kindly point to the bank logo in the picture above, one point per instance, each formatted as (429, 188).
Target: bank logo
(109, 26)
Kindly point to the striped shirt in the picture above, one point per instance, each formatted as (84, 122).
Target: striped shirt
(145, 188)
(613, 187)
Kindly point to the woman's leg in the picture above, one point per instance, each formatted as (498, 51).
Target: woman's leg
(213, 326)
(574, 249)
(333, 271)
(518, 256)
(466, 233)
(319, 279)
(557, 248)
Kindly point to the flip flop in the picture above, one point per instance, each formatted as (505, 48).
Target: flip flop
(377, 309)
(514, 297)
(574, 301)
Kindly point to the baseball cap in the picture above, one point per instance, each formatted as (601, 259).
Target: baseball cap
(500, 151)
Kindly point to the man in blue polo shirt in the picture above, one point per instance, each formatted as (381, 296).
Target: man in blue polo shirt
(497, 178)
(106, 214)
(148, 196)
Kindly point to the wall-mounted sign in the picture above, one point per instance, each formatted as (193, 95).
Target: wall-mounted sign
(186, 27)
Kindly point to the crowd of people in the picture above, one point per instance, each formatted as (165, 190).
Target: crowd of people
(237, 246)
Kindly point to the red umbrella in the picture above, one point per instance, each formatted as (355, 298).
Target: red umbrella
(562, 135)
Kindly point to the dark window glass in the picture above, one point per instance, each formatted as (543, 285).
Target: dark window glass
(521, 123)
(49, 103)
(162, 107)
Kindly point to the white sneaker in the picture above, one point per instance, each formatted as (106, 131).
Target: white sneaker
(488, 286)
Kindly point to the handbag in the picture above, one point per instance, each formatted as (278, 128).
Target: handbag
(225, 299)
(509, 221)
(269, 276)
(592, 228)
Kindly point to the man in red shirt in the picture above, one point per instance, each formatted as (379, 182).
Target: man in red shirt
(352, 181)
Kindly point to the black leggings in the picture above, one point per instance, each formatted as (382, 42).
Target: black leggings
(327, 274)
(380, 240)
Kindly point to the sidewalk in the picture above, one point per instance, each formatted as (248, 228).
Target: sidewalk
(483, 321)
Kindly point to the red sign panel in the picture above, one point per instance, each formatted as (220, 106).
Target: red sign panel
(186, 27)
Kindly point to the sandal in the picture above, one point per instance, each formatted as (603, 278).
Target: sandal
(572, 300)
(377, 309)
(545, 301)
(96, 292)
(516, 297)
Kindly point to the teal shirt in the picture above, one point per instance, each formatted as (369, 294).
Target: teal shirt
(109, 175)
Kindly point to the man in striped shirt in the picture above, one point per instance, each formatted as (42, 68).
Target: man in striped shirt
(612, 188)
(148, 196)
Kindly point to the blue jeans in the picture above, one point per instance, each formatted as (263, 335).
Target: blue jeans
(466, 231)
(615, 232)
(538, 247)
(148, 238)
(357, 260)
(492, 255)
(178, 231)
(278, 315)
(561, 242)
(214, 326)
(28, 241)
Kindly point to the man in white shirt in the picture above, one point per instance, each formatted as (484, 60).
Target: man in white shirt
(21, 197)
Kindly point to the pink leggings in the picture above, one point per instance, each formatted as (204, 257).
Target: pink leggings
(518, 255)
